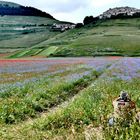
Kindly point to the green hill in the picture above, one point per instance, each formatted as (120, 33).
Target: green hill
(10, 8)
(26, 36)
(120, 37)
(20, 32)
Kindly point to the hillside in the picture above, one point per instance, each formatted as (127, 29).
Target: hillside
(23, 27)
(119, 37)
(19, 32)
(9, 8)
(26, 36)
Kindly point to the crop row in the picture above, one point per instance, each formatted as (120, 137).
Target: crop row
(27, 101)
(84, 117)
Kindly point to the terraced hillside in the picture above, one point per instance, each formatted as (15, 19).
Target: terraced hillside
(120, 37)
(23, 27)
(20, 32)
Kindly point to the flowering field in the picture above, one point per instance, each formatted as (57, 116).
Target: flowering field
(12, 71)
(125, 69)
(30, 88)
(34, 85)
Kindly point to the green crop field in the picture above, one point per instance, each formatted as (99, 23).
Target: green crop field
(20, 32)
(113, 37)
(119, 37)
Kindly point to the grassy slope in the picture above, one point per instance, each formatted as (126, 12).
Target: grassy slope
(112, 37)
(20, 32)
(115, 37)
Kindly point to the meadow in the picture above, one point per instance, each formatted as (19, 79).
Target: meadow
(66, 98)
(120, 37)
(31, 36)
(20, 32)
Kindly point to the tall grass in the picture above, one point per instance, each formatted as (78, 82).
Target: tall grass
(92, 108)
(23, 102)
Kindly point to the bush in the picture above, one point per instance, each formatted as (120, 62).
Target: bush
(79, 25)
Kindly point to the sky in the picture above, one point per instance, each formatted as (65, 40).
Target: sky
(75, 10)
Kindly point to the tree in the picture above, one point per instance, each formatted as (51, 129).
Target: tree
(88, 20)
(79, 25)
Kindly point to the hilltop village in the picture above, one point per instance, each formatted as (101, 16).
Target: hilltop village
(124, 11)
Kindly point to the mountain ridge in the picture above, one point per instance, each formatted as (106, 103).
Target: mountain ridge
(10, 8)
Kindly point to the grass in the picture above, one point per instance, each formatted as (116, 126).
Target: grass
(56, 107)
(89, 110)
(108, 38)
(19, 103)
(48, 51)
(20, 32)
(91, 105)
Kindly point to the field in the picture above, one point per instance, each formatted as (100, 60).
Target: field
(107, 38)
(20, 32)
(31, 36)
(66, 98)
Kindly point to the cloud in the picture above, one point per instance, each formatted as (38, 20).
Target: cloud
(67, 10)
(74, 16)
(65, 6)
(101, 3)
(70, 9)
(55, 5)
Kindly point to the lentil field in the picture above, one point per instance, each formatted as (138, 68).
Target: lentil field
(66, 98)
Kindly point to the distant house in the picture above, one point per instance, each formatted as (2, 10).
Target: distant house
(62, 27)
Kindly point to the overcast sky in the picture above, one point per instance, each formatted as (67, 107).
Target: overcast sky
(76, 10)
